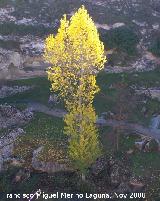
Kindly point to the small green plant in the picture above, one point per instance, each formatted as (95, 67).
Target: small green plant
(155, 47)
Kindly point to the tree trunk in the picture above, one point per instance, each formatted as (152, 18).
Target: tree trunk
(83, 177)
(117, 144)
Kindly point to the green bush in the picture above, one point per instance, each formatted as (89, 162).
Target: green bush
(155, 47)
(122, 38)
(153, 106)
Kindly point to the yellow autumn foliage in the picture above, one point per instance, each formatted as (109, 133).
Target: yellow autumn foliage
(76, 55)
(84, 145)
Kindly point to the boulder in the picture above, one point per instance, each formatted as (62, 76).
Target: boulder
(148, 144)
(152, 145)
(119, 173)
(124, 188)
(99, 166)
(7, 140)
(130, 151)
(22, 175)
(8, 57)
(49, 167)
(110, 172)
(136, 186)
(101, 121)
(7, 146)
(155, 123)
(16, 59)
(140, 145)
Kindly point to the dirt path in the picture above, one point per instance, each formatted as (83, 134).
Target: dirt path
(138, 129)
(38, 107)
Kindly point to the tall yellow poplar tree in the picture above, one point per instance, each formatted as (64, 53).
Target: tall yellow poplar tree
(77, 55)
(84, 146)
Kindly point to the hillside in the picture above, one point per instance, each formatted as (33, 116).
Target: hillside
(124, 119)
(129, 30)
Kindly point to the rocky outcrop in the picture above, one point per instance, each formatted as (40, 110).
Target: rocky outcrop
(108, 27)
(119, 173)
(150, 92)
(10, 64)
(114, 174)
(10, 57)
(7, 145)
(10, 116)
(15, 65)
(136, 186)
(6, 91)
(148, 145)
(145, 63)
(115, 171)
(21, 175)
(152, 145)
(155, 122)
(6, 14)
(49, 167)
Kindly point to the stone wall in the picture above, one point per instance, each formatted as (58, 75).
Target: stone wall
(14, 65)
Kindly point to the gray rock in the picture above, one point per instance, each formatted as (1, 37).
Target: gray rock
(152, 145)
(22, 175)
(101, 121)
(6, 91)
(124, 188)
(99, 166)
(140, 145)
(119, 173)
(155, 122)
(49, 167)
(7, 145)
(10, 57)
(115, 175)
(150, 92)
(136, 186)
(10, 116)
(110, 172)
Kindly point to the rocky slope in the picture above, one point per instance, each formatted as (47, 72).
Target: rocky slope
(25, 24)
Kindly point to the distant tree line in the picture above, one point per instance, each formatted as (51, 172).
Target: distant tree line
(12, 28)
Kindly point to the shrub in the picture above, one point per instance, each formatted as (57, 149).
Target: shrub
(122, 38)
(155, 47)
